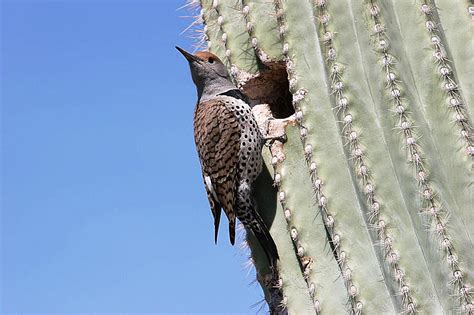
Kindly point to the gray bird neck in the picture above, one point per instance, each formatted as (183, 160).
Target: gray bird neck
(210, 88)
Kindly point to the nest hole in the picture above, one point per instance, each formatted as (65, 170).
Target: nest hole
(271, 87)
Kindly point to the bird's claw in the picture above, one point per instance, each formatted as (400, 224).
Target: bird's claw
(269, 141)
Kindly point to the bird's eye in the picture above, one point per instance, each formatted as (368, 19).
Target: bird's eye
(211, 60)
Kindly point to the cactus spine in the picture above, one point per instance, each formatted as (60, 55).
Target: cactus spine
(372, 196)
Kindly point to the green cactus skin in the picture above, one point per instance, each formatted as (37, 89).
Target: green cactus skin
(262, 29)
(458, 28)
(312, 111)
(443, 189)
(307, 231)
(353, 107)
(371, 202)
(289, 270)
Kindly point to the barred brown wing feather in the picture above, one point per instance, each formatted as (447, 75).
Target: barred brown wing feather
(217, 136)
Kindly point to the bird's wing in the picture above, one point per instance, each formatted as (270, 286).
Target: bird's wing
(217, 136)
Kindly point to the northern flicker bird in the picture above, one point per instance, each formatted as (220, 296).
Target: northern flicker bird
(229, 145)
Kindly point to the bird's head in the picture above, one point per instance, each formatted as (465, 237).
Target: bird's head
(209, 73)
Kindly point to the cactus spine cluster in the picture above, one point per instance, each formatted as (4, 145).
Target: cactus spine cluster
(370, 200)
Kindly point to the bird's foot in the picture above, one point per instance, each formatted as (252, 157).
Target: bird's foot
(269, 141)
(274, 130)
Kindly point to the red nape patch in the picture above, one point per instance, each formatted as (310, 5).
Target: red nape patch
(206, 55)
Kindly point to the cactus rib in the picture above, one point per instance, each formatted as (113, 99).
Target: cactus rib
(359, 163)
(432, 207)
(305, 261)
(317, 262)
(294, 293)
(328, 219)
(446, 73)
(455, 23)
(291, 28)
(213, 29)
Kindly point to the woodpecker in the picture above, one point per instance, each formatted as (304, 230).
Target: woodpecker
(229, 145)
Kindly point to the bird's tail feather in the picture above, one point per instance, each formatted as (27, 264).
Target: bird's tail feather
(261, 232)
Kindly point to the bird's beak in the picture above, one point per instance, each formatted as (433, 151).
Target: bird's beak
(188, 56)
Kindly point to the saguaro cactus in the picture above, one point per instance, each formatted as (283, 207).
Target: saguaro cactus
(370, 200)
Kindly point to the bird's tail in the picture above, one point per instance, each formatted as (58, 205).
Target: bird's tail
(261, 232)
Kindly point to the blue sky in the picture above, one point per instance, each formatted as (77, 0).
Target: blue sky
(102, 204)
